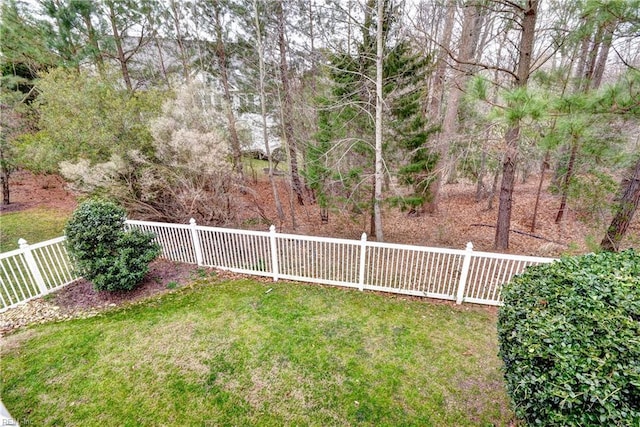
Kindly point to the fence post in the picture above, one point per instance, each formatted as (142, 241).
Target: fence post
(274, 252)
(32, 265)
(196, 242)
(363, 254)
(465, 273)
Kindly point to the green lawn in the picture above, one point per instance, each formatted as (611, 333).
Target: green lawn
(248, 353)
(33, 225)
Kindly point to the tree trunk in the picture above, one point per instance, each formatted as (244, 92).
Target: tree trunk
(567, 180)
(512, 136)
(93, 42)
(581, 64)
(624, 214)
(263, 108)
(543, 168)
(607, 39)
(4, 177)
(221, 54)
(120, 56)
(480, 190)
(177, 19)
(377, 204)
(437, 87)
(287, 107)
(494, 187)
(163, 67)
(449, 122)
(506, 188)
(590, 60)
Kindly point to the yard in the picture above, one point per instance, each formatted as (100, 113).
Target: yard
(243, 352)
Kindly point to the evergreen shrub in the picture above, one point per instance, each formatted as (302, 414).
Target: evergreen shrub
(104, 253)
(569, 336)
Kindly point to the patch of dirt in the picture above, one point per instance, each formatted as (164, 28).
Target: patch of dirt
(163, 276)
(29, 191)
(80, 299)
(460, 219)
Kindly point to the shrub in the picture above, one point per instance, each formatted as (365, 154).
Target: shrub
(569, 337)
(104, 252)
(189, 174)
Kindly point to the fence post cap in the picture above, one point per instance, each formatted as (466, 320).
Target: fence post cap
(192, 221)
(272, 228)
(469, 246)
(363, 237)
(22, 242)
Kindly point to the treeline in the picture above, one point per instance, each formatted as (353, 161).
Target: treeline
(373, 103)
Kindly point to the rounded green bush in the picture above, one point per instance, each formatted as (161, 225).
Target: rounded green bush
(569, 336)
(104, 253)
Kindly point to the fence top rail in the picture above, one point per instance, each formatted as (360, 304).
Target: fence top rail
(233, 231)
(448, 251)
(156, 224)
(318, 239)
(48, 242)
(513, 257)
(43, 244)
(197, 227)
(12, 253)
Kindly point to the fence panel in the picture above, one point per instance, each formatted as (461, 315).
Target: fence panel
(318, 259)
(413, 270)
(488, 271)
(33, 271)
(53, 262)
(174, 239)
(17, 284)
(404, 269)
(236, 250)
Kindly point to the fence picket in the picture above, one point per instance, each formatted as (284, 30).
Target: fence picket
(32, 265)
(274, 252)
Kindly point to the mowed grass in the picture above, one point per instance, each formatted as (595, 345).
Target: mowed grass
(33, 225)
(248, 353)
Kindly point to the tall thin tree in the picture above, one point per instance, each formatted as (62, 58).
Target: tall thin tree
(379, 166)
(263, 104)
(529, 14)
(287, 105)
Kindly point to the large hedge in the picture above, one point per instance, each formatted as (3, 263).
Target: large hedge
(106, 254)
(569, 337)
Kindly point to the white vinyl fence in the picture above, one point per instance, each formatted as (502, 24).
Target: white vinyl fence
(450, 274)
(33, 271)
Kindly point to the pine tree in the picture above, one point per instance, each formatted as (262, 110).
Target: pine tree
(340, 164)
(23, 56)
(405, 75)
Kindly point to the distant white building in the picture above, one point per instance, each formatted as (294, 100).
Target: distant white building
(249, 123)
(253, 123)
(245, 104)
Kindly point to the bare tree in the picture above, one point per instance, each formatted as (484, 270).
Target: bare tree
(379, 171)
(122, 17)
(222, 62)
(263, 105)
(287, 106)
(525, 49)
(466, 48)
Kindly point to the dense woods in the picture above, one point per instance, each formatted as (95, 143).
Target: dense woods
(371, 104)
